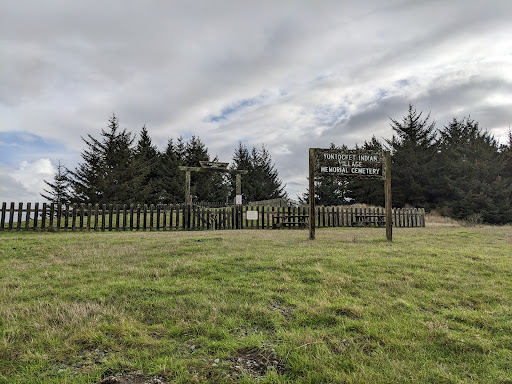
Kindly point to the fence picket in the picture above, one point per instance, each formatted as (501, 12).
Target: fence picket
(4, 213)
(27, 217)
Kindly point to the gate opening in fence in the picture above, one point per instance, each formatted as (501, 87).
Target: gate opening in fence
(351, 163)
(214, 166)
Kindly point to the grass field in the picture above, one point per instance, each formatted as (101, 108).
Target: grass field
(434, 306)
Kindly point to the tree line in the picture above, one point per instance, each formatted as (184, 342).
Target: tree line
(459, 170)
(117, 169)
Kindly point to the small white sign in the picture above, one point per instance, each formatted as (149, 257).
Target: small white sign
(238, 200)
(252, 215)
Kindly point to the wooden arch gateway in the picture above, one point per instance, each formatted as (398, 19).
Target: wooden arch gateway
(213, 166)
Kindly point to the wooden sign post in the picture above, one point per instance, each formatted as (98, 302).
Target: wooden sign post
(350, 163)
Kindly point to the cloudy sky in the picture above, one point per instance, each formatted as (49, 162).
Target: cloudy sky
(287, 74)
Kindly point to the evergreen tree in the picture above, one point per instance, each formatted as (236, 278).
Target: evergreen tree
(474, 180)
(413, 149)
(262, 180)
(85, 180)
(59, 189)
(147, 162)
(266, 178)
(109, 174)
(172, 180)
(242, 161)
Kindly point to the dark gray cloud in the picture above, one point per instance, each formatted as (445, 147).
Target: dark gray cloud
(288, 74)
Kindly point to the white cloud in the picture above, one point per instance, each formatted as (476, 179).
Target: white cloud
(25, 183)
(318, 71)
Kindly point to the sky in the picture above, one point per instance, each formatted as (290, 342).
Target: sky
(289, 75)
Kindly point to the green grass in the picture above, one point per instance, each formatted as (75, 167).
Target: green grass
(434, 306)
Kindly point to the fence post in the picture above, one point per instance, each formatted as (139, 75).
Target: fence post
(36, 215)
(20, 216)
(27, 217)
(52, 213)
(2, 219)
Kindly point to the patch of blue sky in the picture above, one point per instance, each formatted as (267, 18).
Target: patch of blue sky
(382, 93)
(18, 146)
(238, 106)
(402, 83)
(328, 115)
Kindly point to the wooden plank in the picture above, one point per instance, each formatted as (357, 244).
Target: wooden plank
(89, 216)
(130, 223)
(110, 217)
(43, 217)
(66, 216)
(73, 218)
(103, 216)
(20, 216)
(27, 216)
(59, 215)
(137, 217)
(158, 209)
(96, 216)
(82, 216)
(118, 217)
(165, 209)
(36, 216)
(3, 215)
(52, 214)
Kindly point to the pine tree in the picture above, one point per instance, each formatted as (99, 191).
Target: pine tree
(147, 161)
(262, 180)
(109, 174)
(85, 180)
(413, 149)
(242, 161)
(172, 180)
(268, 185)
(473, 178)
(59, 189)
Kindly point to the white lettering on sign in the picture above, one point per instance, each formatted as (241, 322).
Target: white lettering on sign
(350, 157)
(350, 162)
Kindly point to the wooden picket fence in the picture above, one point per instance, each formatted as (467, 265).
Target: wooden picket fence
(122, 217)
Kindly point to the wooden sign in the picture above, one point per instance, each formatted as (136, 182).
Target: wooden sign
(213, 164)
(349, 163)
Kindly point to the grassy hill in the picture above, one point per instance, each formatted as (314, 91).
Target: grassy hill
(247, 306)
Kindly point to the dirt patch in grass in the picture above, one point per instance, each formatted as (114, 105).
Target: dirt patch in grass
(256, 362)
(136, 377)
